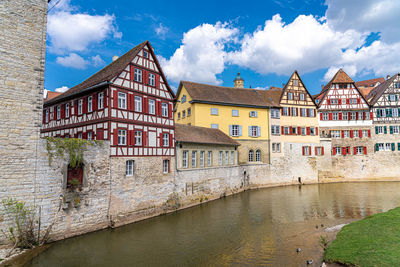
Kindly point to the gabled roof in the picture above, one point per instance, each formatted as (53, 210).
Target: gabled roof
(377, 92)
(286, 85)
(370, 82)
(212, 94)
(110, 71)
(51, 95)
(202, 135)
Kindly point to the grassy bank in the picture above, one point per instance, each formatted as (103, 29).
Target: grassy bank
(373, 241)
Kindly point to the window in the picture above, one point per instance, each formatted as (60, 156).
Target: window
(365, 133)
(318, 151)
(185, 159)
(302, 96)
(325, 116)
(388, 146)
(122, 137)
(165, 139)
(306, 151)
(275, 113)
(253, 114)
(138, 104)
(394, 129)
(294, 111)
(80, 104)
(226, 157)
(303, 112)
(251, 155)
(290, 96)
(138, 138)
(189, 112)
(235, 113)
(79, 135)
(346, 134)
(234, 130)
(338, 150)
(183, 114)
(145, 54)
(209, 158)
(214, 126)
(381, 113)
(353, 116)
(334, 101)
(285, 111)
(353, 100)
(303, 131)
(381, 146)
(47, 116)
(345, 116)
(254, 131)
(164, 110)
(335, 134)
(359, 150)
(286, 130)
(296, 82)
(194, 159)
(395, 112)
(121, 100)
(294, 130)
(355, 133)
(214, 111)
(335, 116)
(152, 79)
(276, 147)
(138, 75)
(152, 107)
(179, 115)
(258, 155)
(312, 131)
(311, 112)
(165, 166)
(202, 153)
(183, 99)
(220, 158)
(89, 136)
(100, 99)
(379, 129)
(129, 167)
(58, 112)
(90, 104)
(66, 110)
(232, 157)
(275, 130)
(392, 97)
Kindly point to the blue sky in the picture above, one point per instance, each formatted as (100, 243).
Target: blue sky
(209, 41)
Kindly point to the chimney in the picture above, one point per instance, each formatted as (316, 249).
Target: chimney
(238, 81)
(387, 77)
(115, 58)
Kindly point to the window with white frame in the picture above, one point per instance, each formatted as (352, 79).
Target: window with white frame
(209, 158)
(164, 109)
(335, 116)
(80, 105)
(296, 82)
(79, 135)
(165, 139)
(89, 136)
(346, 134)
(194, 159)
(395, 112)
(388, 146)
(129, 167)
(251, 155)
(273, 147)
(90, 104)
(275, 130)
(258, 155)
(202, 154)
(303, 112)
(121, 100)
(253, 114)
(67, 110)
(303, 131)
(47, 116)
(395, 129)
(379, 129)
(294, 130)
(152, 79)
(226, 157)
(220, 155)
(359, 150)
(285, 111)
(325, 116)
(335, 134)
(275, 113)
(235, 130)
(302, 96)
(214, 126)
(100, 100)
(235, 113)
(353, 116)
(355, 134)
(392, 97)
(185, 155)
(338, 150)
(345, 116)
(307, 151)
(286, 130)
(319, 151)
(214, 111)
(290, 96)
(254, 131)
(138, 75)
(232, 157)
(58, 112)
(152, 106)
(165, 166)
(312, 130)
(294, 111)
(334, 101)
(365, 133)
(122, 137)
(138, 104)
(381, 146)
(138, 138)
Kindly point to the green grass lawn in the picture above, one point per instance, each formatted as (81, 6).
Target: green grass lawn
(373, 241)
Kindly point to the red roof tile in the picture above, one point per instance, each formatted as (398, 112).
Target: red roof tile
(202, 135)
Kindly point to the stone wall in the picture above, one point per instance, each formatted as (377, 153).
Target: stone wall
(246, 145)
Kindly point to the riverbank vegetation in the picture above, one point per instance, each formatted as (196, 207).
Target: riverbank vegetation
(373, 241)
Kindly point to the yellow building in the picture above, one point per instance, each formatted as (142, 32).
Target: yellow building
(241, 113)
(298, 120)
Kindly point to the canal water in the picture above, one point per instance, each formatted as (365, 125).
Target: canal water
(255, 228)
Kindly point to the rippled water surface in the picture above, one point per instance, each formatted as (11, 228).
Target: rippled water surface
(255, 228)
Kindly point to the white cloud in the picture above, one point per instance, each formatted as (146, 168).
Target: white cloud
(201, 56)
(72, 60)
(61, 89)
(97, 61)
(161, 30)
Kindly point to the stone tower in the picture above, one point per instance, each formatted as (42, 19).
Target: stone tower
(22, 61)
(238, 81)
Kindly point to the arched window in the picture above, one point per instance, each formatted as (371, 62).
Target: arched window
(258, 155)
(251, 155)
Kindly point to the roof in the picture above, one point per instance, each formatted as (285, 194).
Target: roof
(370, 83)
(202, 135)
(51, 95)
(287, 84)
(205, 93)
(376, 92)
(365, 91)
(110, 71)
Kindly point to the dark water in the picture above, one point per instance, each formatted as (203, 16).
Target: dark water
(255, 228)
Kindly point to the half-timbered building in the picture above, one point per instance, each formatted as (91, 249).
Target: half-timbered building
(344, 116)
(385, 104)
(129, 103)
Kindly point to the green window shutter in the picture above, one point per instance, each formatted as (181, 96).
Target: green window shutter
(391, 129)
(392, 146)
(376, 147)
(376, 129)
(385, 130)
(398, 146)
(397, 97)
(388, 97)
(378, 113)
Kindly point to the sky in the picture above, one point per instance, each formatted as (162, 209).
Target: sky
(210, 41)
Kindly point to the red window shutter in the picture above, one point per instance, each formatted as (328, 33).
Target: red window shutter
(344, 151)
(100, 135)
(354, 150)
(308, 130)
(330, 116)
(320, 116)
(347, 101)
(360, 133)
(328, 101)
(322, 151)
(128, 137)
(298, 130)
(342, 134)
(171, 141)
(55, 113)
(115, 99)
(365, 150)
(144, 141)
(309, 149)
(315, 113)
(115, 137)
(159, 108)
(364, 115)
(334, 151)
(132, 75)
(145, 105)
(84, 135)
(145, 77)
(95, 97)
(282, 112)
(358, 100)
(297, 111)
(44, 116)
(62, 111)
(340, 116)
(170, 107)
(291, 130)
(371, 115)
(289, 111)
(357, 116)
(351, 134)
(316, 130)
(157, 81)
(339, 101)
(304, 150)
(282, 130)
(161, 139)
(369, 133)
(75, 107)
(105, 100)
(315, 150)
(85, 99)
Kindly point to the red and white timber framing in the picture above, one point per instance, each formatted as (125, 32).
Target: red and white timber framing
(124, 108)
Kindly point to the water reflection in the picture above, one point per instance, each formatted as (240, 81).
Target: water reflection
(255, 228)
